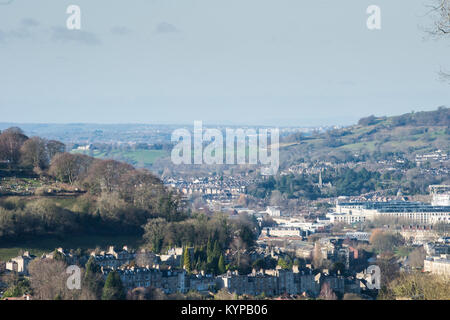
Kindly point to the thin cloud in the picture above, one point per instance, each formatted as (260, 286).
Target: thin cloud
(165, 27)
(15, 34)
(120, 30)
(29, 23)
(63, 35)
(19, 34)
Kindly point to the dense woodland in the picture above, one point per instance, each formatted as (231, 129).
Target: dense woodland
(344, 182)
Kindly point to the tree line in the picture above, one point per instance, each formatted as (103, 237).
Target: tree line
(17, 149)
(118, 197)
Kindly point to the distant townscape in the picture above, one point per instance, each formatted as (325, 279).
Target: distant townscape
(354, 213)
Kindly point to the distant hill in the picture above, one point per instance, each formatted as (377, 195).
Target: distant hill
(440, 117)
(375, 138)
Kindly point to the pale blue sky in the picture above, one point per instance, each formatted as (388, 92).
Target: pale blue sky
(271, 62)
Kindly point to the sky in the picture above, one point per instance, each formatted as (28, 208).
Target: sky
(266, 62)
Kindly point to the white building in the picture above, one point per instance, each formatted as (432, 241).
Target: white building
(20, 264)
(351, 212)
(438, 265)
(283, 232)
(347, 218)
(360, 236)
(273, 211)
(440, 195)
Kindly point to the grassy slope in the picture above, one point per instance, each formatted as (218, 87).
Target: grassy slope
(139, 157)
(367, 139)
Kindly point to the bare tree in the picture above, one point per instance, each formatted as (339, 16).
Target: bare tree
(145, 258)
(326, 293)
(416, 257)
(140, 187)
(11, 140)
(276, 198)
(106, 175)
(149, 293)
(417, 286)
(54, 147)
(48, 279)
(317, 256)
(440, 13)
(70, 168)
(224, 294)
(34, 153)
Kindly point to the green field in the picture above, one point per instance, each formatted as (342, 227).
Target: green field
(46, 245)
(139, 158)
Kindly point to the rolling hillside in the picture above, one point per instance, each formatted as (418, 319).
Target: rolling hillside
(376, 137)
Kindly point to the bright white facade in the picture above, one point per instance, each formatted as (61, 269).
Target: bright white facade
(273, 211)
(438, 265)
(351, 212)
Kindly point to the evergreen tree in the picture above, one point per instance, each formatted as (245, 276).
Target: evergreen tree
(216, 251)
(182, 259)
(113, 289)
(91, 267)
(221, 265)
(187, 260)
(283, 264)
(209, 252)
(92, 278)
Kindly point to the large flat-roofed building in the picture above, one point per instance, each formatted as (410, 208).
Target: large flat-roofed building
(283, 232)
(424, 213)
(438, 265)
(360, 236)
(440, 194)
(273, 211)
(348, 218)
